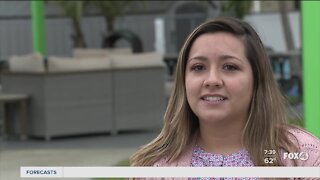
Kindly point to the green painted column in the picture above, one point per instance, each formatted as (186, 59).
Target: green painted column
(38, 26)
(311, 64)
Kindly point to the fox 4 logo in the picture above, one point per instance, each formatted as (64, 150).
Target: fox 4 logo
(296, 156)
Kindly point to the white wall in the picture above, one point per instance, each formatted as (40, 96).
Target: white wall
(16, 35)
(269, 28)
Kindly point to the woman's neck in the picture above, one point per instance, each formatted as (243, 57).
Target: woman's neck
(220, 139)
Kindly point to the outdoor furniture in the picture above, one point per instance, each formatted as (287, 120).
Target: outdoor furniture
(7, 100)
(171, 62)
(85, 96)
(110, 40)
(65, 103)
(99, 52)
(279, 58)
(139, 92)
(287, 77)
(27, 63)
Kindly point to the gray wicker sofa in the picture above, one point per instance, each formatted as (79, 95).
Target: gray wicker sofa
(97, 95)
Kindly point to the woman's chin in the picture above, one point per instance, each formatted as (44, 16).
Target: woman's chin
(213, 119)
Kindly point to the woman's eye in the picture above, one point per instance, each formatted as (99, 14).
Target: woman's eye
(230, 67)
(197, 67)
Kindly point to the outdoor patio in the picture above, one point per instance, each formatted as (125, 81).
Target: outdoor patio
(87, 150)
(94, 103)
(95, 150)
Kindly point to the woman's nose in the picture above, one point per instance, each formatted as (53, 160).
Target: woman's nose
(213, 79)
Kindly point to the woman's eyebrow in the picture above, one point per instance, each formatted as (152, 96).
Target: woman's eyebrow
(202, 58)
(222, 57)
(225, 57)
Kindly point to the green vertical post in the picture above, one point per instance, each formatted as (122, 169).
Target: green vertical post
(311, 64)
(38, 26)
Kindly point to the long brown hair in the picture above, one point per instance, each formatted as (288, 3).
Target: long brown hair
(266, 127)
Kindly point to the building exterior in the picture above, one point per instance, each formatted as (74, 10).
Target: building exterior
(179, 17)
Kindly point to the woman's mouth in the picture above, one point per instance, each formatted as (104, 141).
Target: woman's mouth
(214, 99)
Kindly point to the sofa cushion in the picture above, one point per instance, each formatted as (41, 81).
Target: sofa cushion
(139, 60)
(65, 64)
(27, 63)
(85, 53)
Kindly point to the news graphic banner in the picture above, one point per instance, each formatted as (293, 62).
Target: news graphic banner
(165, 172)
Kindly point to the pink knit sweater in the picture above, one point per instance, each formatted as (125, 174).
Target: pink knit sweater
(303, 139)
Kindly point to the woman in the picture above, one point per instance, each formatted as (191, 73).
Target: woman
(226, 108)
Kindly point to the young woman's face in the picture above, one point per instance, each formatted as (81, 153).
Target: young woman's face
(219, 79)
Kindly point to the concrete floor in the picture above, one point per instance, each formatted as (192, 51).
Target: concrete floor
(87, 150)
(90, 150)
(93, 150)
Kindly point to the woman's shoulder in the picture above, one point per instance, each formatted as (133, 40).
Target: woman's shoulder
(309, 148)
(184, 158)
(305, 140)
